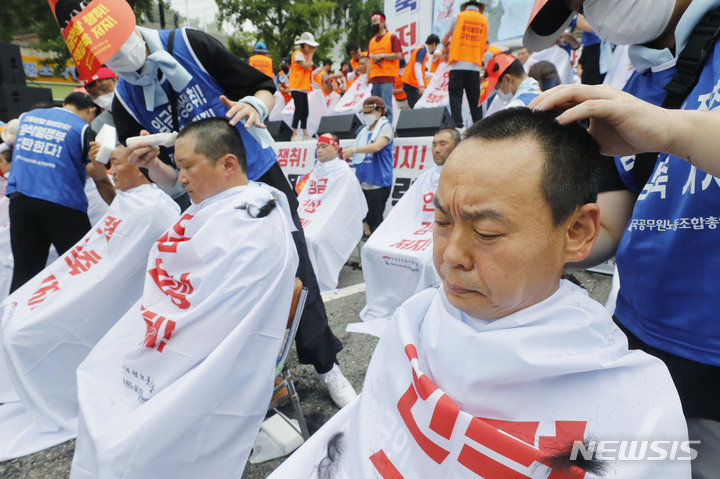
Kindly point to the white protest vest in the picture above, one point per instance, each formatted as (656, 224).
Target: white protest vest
(397, 259)
(331, 207)
(180, 385)
(51, 323)
(447, 395)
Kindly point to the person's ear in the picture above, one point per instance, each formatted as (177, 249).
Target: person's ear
(582, 229)
(229, 164)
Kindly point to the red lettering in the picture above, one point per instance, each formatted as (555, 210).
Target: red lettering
(153, 327)
(47, 286)
(176, 289)
(168, 243)
(384, 467)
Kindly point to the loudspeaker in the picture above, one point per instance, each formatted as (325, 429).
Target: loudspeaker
(423, 121)
(279, 130)
(15, 99)
(11, 67)
(344, 126)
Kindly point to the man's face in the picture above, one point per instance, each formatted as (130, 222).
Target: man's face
(200, 178)
(442, 146)
(126, 176)
(362, 67)
(326, 152)
(494, 243)
(100, 87)
(431, 48)
(445, 53)
(523, 54)
(355, 54)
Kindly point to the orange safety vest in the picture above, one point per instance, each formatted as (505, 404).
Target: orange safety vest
(387, 68)
(401, 95)
(469, 38)
(409, 75)
(299, 77)
(319, 80)
(262, 63)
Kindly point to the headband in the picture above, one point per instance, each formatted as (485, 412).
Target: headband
(329, 141)
(377, 16)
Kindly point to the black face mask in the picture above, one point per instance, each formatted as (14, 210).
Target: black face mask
(375, 28)
(285, 68)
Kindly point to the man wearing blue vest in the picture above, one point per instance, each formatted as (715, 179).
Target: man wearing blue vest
(47, 201)
(662, 226)
(170, 78)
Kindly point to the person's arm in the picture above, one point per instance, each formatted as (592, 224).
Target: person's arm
(625, 125)
(370, 148)
(418, 70)
(300, 60)
(97, 172)
(146, 156)
(235, 77)
(582, 24)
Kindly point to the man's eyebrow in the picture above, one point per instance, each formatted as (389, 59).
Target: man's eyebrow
(474, 214)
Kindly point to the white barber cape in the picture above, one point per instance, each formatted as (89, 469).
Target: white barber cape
(178, 388)
(397, 259)
(331, 209)
(447, 395)
(51, 323)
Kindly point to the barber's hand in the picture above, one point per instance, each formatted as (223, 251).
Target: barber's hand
(621, 123)
(347, 153)
(143, 154)
(94, 150)
(238, 110)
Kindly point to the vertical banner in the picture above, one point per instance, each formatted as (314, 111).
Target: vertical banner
(410, 20)
(444, 15)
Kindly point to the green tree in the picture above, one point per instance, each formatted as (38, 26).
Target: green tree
(278, 24)
(354, 17)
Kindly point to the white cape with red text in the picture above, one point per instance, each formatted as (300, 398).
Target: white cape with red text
(447, 395)
(397, 258)
(180, 385)
(51, 323)
(331, 209)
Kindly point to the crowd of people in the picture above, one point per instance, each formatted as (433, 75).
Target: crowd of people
(154, 336)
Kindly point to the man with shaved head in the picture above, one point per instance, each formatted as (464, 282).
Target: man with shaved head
(505, 370)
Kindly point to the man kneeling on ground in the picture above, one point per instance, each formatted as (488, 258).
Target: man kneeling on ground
(179, 387)
(507, 370)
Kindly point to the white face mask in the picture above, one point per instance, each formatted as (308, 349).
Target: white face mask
(105, 101)
(628, 23)
(131, 56)
(502, 96)
(369, 119)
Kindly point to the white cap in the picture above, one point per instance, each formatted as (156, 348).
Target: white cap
(308, 38)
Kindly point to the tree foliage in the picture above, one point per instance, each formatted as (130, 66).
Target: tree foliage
(278, 23)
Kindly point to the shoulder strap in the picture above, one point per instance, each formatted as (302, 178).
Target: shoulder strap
(689, 66)
(173, 96)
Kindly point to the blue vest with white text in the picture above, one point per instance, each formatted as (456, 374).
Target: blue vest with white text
(200, 99)
(377, 168)
(668, 256)
(48, 158)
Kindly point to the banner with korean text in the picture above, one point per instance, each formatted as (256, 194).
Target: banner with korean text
(410, 20)
(412, 158)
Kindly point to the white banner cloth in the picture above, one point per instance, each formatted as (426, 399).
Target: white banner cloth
(397, 259)
(352, 100)
(436, 94)
(447, 395)
(621, 69)
(180, 385)
(51, 323)
(331, 209)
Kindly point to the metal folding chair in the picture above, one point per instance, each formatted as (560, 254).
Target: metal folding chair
(281, 370)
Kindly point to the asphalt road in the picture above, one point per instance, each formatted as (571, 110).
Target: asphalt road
(55, 463)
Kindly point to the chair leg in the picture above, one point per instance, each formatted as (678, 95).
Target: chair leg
(295, 401)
